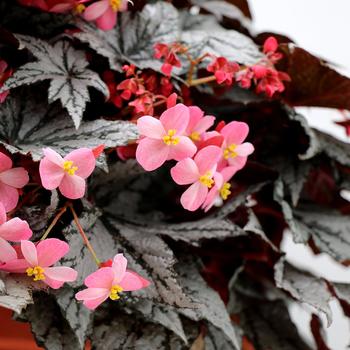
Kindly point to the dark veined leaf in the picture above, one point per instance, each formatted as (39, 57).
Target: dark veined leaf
(67, 71)
(304, 287)
(26, 127)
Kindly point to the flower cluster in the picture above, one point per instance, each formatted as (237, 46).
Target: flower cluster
(207, 160)
(170, 55)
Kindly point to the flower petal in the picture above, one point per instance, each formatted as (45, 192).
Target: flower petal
(72, 186)
(235, 132)
(16, 266)
(5, 162)
(228, 172)
(84, 159)
(7, 252)
(51, 174)
(16, 177)
(93, 304)
(207, 158)
(245, 149)
(150, 127)
(61, 273)
(185, 148)
(151, 154)
(119, 267)
(194, 196)
(3, 216)
(108, 20)
(102, 278)
(29, 252)
(185, 172)
(53, 283)
(176, 117)
(95, 10)
(50, 251)
(132, 281)
(204, 124)
(237, 162)
(8, 196)
(15, 230)
(196, 115)
(92, 293)
(53, 156)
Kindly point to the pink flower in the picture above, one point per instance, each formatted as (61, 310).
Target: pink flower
(143, 104)
(198, 123)
(244, 78)
(223, 70)
(169, 52)
(104, 12)
(235, 152)
(68, 173)
(58, 6)
(10, 180)
(7, 252)
(14, 229)
(271, 81)
(109, 282)
(164, 138)
(270, 48)
(199, 173)
(37, 262)
(221, 189)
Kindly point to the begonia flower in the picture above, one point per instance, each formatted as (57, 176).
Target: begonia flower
(198, 173)
(270, 47)
(198, 123)
(109, 282)
(68, 173)
(271, 82)
(223, 70)
(11, 179)
(170, 54)
(164, 138)
(37, 262)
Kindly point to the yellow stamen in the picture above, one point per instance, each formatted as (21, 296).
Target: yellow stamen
(225, 190)
(69, 168)
(115, 4)
(170, 139)
(79, 9)
(114, 292)
(195, 136)
(37, 272)
(206, 179)
(229, 152)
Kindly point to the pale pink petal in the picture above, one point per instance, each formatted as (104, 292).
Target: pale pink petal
(102, 278)
(50, 251)
(53, 283)
(245, 149)
(61, 8)
(50, 173)
(204, 124)
(132, 281)
(3, 216)
(237, 162)
(15, 230)
(61, 273)
(150, 127)
(151, 154)
(195, 116)
(29, 252)
(228, 172)
(119, 267)
(72, 186)
(194, 196)
(95, 10)
(84, 159)
(16, 266)
(185, 148)
(207, 158)
(5, 162)
(185, 172)
(8, 196)
(176, 117)
(53, 156)
(108, 20)
(16, 177)
(235, 132)
(92, 293)
(7, 252)
(94, 303)
(210, 199)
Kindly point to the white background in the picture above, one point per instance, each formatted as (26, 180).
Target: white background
(322, 27)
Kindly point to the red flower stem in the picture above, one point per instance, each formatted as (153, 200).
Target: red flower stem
(54, 222)
(83, 235)
(201, 80)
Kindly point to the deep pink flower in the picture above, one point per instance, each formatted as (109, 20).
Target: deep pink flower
(68, 173)
(271, 81)
(14, 229)
(235, 152)
(37, 262)
(108, 282)
(221, 189)
(143, 104)
(104, 12)
(198, 123)
(270, 48)
(170, 54)
(10, 180)
(198, 172)
(164, 138)
(223, 70)
(244, 78)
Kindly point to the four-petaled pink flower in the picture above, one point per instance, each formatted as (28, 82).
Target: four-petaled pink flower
(104, 12)
(164, 138)
(198, 123)
(38, 259)
(235, 152)
(223, 70)
(199, 173)
(68, 173)
(108, 282)
(10, 180)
